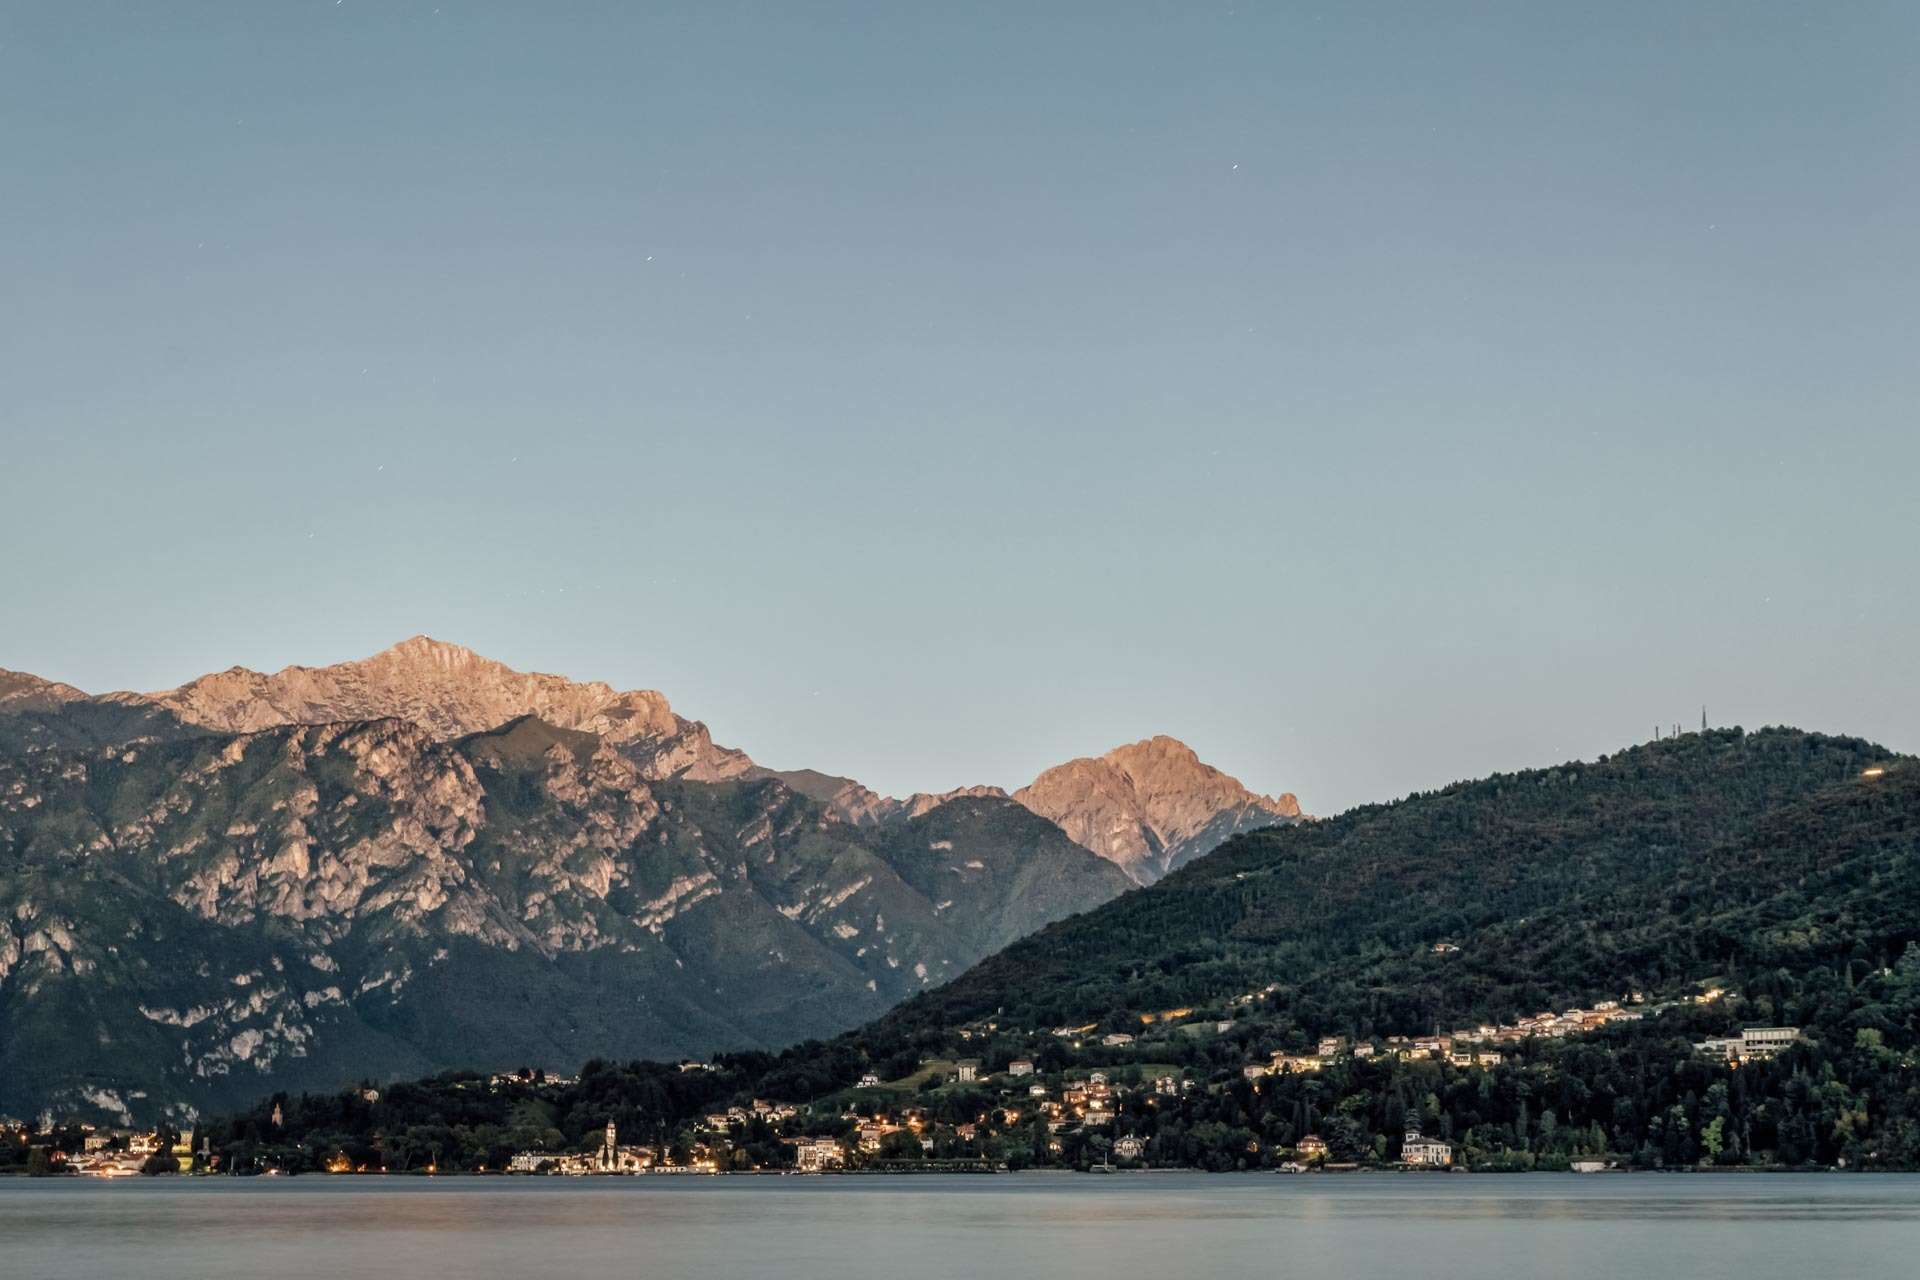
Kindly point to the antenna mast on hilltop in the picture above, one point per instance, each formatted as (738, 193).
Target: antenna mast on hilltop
(1703, 717)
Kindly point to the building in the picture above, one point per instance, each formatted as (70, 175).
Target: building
(817, 1155)
(610, 1150)
(1254, 1071)
(871, 1136)
(1764, 1042)
(1129, 1147)
(1425, 1152)
(1284, 1063)
(1020, 1067)
(1330, 1046)
(1116, 1040)
(869, 1081)
(967, 1070)
(1311, 1147)
(1754, 1044)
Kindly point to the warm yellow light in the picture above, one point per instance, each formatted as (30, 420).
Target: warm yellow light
(1874, 772)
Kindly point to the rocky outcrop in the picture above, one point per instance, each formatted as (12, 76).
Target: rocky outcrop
(449, 691)
(864, 807)
(21, 693)
(1148, 808)
(1152, 806)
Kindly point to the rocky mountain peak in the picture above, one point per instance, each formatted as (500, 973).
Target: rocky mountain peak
(425, 650)
(452, 691)
(1168, 765)
(1159, 746)
(1151, 806)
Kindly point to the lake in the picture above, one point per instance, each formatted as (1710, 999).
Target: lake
(1167, 1226)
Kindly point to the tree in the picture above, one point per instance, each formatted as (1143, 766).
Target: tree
(902, 1145)
(1712, 1139)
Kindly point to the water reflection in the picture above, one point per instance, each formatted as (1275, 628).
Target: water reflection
(1151, 1225)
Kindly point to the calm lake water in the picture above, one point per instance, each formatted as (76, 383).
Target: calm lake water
(1165, 1226)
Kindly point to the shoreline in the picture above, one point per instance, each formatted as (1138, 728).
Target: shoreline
(1063, 1174)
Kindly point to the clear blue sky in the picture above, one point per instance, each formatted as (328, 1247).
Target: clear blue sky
(1371, 395)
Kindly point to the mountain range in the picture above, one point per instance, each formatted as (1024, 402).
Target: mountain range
(1147, 807)
(427, 859)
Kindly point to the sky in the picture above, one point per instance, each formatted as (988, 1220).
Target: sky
(1370, 395)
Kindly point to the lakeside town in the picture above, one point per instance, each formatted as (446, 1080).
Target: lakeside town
(1035, 1109)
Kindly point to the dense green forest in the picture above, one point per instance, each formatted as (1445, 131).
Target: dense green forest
(1780, 866)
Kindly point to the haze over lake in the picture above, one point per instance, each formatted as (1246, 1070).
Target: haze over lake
(1756, 1227)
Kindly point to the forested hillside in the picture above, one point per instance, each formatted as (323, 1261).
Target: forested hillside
(1663, 863)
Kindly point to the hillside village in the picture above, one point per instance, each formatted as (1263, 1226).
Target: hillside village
(1073, 1096)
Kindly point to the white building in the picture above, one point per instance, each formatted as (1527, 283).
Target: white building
(1764, 1042)
(1754, 1044)
(1425, 1152)
(1020, 1067)
(817, 1155)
